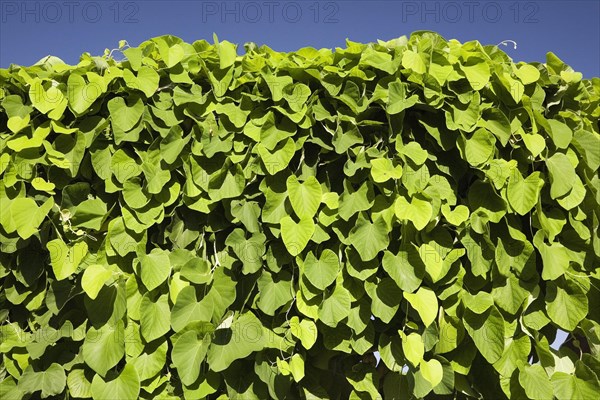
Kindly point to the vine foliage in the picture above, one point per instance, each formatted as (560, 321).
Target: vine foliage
(414, 218)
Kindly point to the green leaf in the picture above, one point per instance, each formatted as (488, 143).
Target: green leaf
(93, 279)
(89, 214)
(279, 158)
(413, 348)
(487, 331)
(305, 197)
(17, 112)
(527, 74)
(79, 385)
(561, 133)
(369, 238)
(414, 151)
(323, 271)
(188, 354)
(275, 291)
(405, 268)
(25, 216)
(418, 211)
(83, 94)
(296, 235)
(146, 80)
(154, 317)
(495, 121)
(414, 61)
(154, 268)
(432, 371)
(398, 99)
(46, 99)
(335, 307)
(187, 308)
(536, 382)
(385, 296)
(426, 304)
(535, 143)
(456, 217)
(566, 303)
(477, 72)
(479, 148)
(296, 365)
(125, 386)
(570, 387)
(522, 193)
(196, 271)
(562, 175)
(245, 337)
(250, 251)
(305, 330)
(227, 54)
(516, 353)
(555, 260)
(50, 382)
(383, 170)
(65, 259)
(103, 348)
(124, 115)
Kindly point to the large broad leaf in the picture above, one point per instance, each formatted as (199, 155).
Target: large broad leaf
(103, 348)
(536, 382)
(432, 371)
(398, 98)
(405, 268)
(382, 170)
(25, 217)
(154, 317)
(566, 303)
(188, 354)
(487, 331)
(305, 197)
(561, 133)
(570, 387)
(187, 309)
(154, 268)
(49, 382)
(562, 175)
(335, 307)
(93, 279)
(418, 211)
(426, 304)
(385, 298)
(65, 259)
(245, 336)
(126, 115)
(305, 330)
(479, 148)
(296, 235)
(321, 272)
(125, 386)
(145, 81)
(477, 72)
(413, 348)
(275, 291)
(522, 193)
(369, 238)
(83, 94)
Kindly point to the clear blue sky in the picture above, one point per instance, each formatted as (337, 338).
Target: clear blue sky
(31, 30)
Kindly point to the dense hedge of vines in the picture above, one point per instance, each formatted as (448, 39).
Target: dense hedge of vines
(406, 219)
